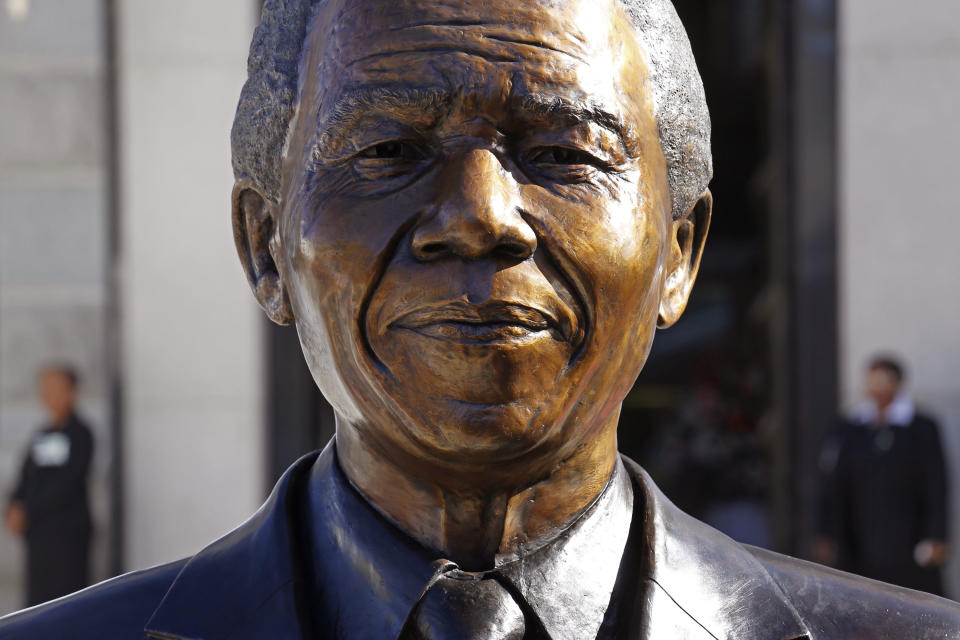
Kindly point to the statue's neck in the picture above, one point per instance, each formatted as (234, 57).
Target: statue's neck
(470, 527)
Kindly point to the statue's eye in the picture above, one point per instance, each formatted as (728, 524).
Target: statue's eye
(563, 156)
(392, 150)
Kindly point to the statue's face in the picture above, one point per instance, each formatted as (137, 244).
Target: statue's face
(475, 215)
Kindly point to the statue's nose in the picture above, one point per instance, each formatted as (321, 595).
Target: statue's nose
(478, 213)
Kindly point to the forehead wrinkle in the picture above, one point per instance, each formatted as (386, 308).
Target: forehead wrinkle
(450, 22)
(433, 49)
(472, 47)
(475, 33)
(490, 40)
(535, 43)
(405, 22)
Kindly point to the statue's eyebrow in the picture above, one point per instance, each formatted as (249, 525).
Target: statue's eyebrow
(556, 108)
(422, 106)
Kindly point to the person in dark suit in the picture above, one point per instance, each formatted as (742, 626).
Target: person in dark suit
(476, 214)
(49, 506)
(885, 490)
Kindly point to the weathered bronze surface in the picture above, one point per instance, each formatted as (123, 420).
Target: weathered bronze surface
(477, 213)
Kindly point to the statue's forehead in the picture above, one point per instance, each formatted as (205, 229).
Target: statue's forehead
(573, 48)
(354, 28)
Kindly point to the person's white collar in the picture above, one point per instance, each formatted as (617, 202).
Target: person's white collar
(900, 413)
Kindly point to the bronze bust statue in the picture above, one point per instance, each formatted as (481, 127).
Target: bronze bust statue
(476, 213)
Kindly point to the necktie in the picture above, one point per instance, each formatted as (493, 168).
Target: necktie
(464, 606)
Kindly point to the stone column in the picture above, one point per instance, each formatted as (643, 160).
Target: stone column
(191, 338)
(900, 218)
(53, 238)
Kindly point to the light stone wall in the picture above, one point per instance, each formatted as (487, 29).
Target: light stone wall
(900, 217)
(192, 352)
(53, 237)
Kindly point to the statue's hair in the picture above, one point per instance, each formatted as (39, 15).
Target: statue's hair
(269, 97)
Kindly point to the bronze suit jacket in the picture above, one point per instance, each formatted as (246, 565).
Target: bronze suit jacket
(679, 580)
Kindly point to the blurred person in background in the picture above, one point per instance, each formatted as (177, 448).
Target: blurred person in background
(49, 506)
(884, 489)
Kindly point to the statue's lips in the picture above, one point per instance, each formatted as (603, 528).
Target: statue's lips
(494, 321)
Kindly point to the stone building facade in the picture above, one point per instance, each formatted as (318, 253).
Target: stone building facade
(899, 220)
(54, 232)
(127, 269)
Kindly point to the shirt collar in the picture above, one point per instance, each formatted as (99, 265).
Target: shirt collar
(370, 574)
(568, 582)
(367, 574)
(900, 413)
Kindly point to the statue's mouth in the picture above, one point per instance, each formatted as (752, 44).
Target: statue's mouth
(490, 322)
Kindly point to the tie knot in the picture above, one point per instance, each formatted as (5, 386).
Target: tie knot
(465, 606)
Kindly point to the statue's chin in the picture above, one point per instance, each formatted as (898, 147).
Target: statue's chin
(493, 373)
(465, 432)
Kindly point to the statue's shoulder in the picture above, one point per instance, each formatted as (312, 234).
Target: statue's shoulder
(209, 595)
(118, 608)
(835, 604)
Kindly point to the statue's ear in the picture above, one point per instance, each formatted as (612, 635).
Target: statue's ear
(256, 236)
(687, 238)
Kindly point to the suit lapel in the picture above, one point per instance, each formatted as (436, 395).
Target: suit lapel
(244, 585)
(700, 583)
(664, 618)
